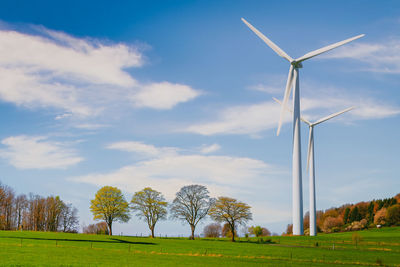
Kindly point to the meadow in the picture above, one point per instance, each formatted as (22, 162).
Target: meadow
(377, 247)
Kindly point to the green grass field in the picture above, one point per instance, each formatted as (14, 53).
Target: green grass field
(377, 247)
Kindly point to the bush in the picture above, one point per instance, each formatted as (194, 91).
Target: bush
(100, 228)
(212, 230)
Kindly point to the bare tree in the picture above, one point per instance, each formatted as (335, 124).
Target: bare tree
(69, 218)
(191, 204)
(53, 211)
(21, 203)
(232, 212)
(212, 230)
(7, 207)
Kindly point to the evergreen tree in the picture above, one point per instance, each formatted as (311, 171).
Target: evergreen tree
(346, 215)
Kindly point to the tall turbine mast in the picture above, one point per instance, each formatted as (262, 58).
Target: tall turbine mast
(293, 81)
(311, 166)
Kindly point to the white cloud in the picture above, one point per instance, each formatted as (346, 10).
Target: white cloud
(143, 149)
(256, 118)
(244, 119)
(27, 152)
(91, 126)
(163, 95)
(79, 76)
(379, 57)
(223, 175)
(69, 57)
(210, 149)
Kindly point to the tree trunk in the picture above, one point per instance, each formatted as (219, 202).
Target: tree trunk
(193, 228)
(233, 233)
(152, 232)
(109, 228)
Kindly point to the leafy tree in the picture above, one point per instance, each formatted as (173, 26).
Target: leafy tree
(150, 206)
(259, 231)
(231, 211)
(191, 204)
(346, 215)
(110, 205)
(393, 215)
(380, 217)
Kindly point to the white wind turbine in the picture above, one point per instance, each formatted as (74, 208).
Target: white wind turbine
(293, 78)
(311, 166)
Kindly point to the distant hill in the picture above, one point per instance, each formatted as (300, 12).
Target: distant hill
(352, 217)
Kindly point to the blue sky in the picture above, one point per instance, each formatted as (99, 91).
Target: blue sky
(170, 93)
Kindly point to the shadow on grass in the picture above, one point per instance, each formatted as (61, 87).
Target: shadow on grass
(112, 240)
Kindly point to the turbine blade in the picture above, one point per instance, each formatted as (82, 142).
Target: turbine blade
(288, 89)
(332, 116)
(290, 110)
(271, 44)
(327, 48)
(309, 147)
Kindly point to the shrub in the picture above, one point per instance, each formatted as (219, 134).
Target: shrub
(212, 230)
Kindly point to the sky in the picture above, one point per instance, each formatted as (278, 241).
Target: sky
(170, 93)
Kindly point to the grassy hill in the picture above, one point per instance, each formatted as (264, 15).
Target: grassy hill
(376, 247)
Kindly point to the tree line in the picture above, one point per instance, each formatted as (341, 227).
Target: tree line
(192, 204)
(353, 217)
(36, 213)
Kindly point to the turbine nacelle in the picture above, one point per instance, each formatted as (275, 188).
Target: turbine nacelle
(296, 64)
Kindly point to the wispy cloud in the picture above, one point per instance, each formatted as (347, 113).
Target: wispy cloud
(143, 149)
(79, 76)
(209, 149)
(37, 152)
(256, 118)
(377, 57)
(168, 172)
(163, 95)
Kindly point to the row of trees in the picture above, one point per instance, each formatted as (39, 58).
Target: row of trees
(191, 205)
(34, 212)
(216, 230)
(351, 217)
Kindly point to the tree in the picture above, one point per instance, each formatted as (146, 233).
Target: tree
(150, 206)
(69, 218)
(393, 215)
(212, 230)
(100, 228)
(346, 215)
(332, 224)
(231, 211)
(354, 215)
(380, 217)
(21, 203)
(110, 205)
(191, 204)
(259, 231)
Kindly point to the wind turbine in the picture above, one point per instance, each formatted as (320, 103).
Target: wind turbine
(293, 79)
(311, 166)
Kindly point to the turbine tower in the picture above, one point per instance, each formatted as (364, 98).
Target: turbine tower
(311, 166)
(293, 79)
